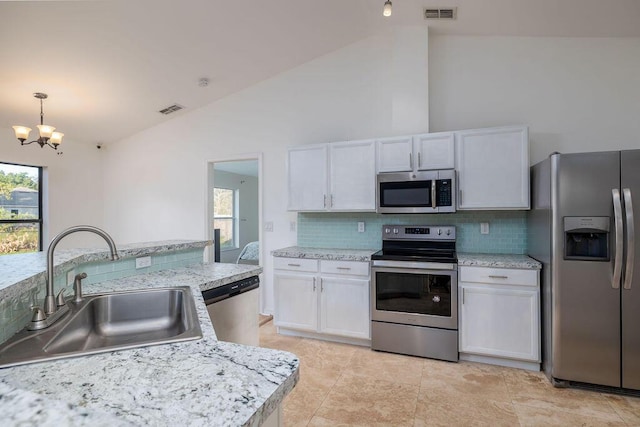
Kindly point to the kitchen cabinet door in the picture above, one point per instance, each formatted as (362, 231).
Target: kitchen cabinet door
(352, 176)
(493, 168)
(435, 150)
(395, 154)
(296, 301)
(497, 321)
(344, 307)
(307, 178)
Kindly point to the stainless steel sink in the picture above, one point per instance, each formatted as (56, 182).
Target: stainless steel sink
(107, 322)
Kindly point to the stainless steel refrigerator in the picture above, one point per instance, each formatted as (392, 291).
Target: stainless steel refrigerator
(582, 228)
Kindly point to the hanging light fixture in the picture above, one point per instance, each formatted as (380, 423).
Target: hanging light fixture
(386, 10)
(47, 134)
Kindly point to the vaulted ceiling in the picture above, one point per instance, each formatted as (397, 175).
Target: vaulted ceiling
(109, 66)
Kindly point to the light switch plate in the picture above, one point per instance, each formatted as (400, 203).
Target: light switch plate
(292, 226)
(143, 261)
(360, 227)
(484, 228)
(268, 226)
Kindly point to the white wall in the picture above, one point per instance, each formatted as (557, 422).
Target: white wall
(73, 185)
(576, 94)
(155, 181)
(247, 187)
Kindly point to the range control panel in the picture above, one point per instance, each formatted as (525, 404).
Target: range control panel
(418, 232)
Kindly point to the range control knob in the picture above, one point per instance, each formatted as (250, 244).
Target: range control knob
(439, 232)
(395, 231)
(448, 232)
(387, 230)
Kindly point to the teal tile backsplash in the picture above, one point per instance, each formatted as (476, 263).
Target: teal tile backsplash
(507, 230)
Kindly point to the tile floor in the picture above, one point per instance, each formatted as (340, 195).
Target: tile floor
(343, 385)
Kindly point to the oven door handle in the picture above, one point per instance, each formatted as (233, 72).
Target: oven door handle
(415, 265)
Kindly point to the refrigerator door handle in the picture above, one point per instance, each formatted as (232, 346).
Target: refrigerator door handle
(617, 264)
(628, 207)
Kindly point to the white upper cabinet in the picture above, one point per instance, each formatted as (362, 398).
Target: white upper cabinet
(307, 178)
(332, 177)
(395, 154)
(418, 152)
(352, 176)
(435, 150)
(493, 168)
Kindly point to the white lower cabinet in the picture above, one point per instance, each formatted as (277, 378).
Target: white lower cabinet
(333, 300)
(499, 313)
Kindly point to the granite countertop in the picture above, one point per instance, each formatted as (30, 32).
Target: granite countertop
(327, 254)
(31, 267)
(498, 260)
(204, 382)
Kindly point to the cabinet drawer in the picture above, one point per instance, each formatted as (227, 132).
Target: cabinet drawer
(500, 276)
(352, 268)
(296, 264)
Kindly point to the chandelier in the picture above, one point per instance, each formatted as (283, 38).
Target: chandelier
(47, 134)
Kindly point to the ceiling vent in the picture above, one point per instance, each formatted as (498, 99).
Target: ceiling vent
(171, 109)
(441, 13)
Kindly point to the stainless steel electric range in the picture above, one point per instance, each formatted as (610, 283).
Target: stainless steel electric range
(414, 292)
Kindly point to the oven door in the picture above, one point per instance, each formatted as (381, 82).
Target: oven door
(415, 296)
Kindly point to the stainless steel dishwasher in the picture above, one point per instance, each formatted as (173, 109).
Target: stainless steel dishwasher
(233, 309)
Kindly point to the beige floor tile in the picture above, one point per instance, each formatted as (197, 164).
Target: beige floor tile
(534, 389)
(533, 416)
(357, 400)
(463, 380)
(279, 342)
(324, 354)
(305, 399)
(627, 407)
(462, 410)
(385, 366)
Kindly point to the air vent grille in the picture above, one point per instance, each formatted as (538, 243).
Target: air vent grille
(449, 13)
(171, 109)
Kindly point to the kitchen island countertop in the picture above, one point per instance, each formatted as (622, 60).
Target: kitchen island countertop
(203, 382)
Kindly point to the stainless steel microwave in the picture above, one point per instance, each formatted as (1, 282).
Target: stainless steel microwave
(416, 192)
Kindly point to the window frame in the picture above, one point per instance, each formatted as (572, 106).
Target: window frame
(235, 238)
(39, 220)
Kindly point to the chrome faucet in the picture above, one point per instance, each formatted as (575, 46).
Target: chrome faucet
(50, 304)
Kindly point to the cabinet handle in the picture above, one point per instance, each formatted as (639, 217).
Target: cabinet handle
(331, 201)
(410, 161)
(314, 284)
(321, 285)
(459, 197)
(293, 265)
(343, 268)
(324, 203)
(498, 277)
(462, 296)
(419, 160)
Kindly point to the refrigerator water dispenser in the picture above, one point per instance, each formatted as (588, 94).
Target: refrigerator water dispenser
(586, 238)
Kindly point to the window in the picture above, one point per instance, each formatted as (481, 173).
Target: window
(20, 208)
(225, 216)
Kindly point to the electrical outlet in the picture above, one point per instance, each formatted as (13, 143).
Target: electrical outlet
(484, 228)
(292, 226)
(268, 226)
(360, 227)
(143, 261)
(70, 277)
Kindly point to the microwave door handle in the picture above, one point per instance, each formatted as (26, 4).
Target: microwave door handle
(631, 250)
(433, 193)
(617, 263)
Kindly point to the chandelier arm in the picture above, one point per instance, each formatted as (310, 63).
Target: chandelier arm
(27, 143)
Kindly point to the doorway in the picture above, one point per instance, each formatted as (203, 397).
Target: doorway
(234, 207)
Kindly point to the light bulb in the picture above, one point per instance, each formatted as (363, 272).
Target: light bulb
(386, 11)
(22, 132)
(56, 138)
(45, 131)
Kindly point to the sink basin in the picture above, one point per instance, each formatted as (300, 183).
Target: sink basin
(107, 322)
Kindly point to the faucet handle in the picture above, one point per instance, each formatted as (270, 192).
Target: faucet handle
(60, 298)
(38, 315)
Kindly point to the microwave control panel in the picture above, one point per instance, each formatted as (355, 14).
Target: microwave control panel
(443, 192)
